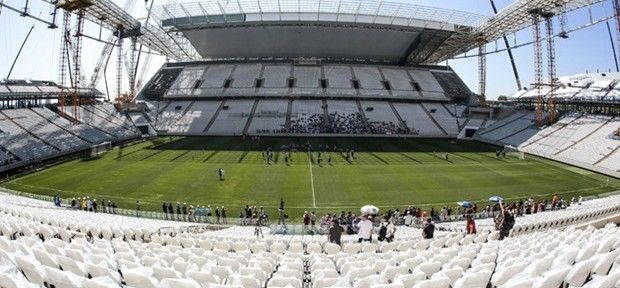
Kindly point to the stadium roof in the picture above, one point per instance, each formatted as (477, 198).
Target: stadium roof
(342, 29)
(328, 29)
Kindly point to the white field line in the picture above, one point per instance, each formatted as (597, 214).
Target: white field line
(311, 181)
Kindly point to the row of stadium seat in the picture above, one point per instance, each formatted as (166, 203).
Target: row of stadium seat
(306, 116)
(577, 138)
(337, 80)
(31, 256)
(35, 134)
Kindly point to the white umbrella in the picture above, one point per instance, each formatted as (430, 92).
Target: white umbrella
(370, 210)
(496, 199)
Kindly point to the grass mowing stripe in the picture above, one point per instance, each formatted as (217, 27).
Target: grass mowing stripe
(191, 177)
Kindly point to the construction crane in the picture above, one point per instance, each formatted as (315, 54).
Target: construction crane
(107, 51)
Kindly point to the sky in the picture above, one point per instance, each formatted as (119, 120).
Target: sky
(586, 50)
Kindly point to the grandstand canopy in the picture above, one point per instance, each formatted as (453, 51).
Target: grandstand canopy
(327, 29)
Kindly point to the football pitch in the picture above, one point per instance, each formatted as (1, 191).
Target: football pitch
(389, 173)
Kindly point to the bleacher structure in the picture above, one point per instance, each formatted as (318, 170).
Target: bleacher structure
(373, 91)
(33, 135)
(45, 245)
(582, 87)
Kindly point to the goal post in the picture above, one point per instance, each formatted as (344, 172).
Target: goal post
(100, 149)
(514, 152)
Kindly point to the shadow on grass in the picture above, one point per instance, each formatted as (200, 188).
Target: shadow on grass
(346, 143)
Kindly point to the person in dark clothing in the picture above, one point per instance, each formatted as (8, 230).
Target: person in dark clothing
(217, 215)
(95, 205)
(185, 211)
(164, 208)
(170, 210)
(281, 204)
(335, 232)
(223, 211)
(507, 221)
(178, 210)
(429, 229)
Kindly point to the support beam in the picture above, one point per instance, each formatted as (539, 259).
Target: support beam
(617, 16)
(510, 56)
(19, 52)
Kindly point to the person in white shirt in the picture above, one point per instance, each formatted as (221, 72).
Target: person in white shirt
(364, 229)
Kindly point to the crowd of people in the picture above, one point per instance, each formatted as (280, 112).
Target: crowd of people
(184, 212)
(344, 123)
(334, 225)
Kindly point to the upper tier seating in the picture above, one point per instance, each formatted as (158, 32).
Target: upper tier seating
(289, 79)
(185, 82)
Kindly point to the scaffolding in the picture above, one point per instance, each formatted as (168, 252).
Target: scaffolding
(119, 65)
(535, 14)
(63, 61)
(77, 64)
(551, 69)
(482, 71)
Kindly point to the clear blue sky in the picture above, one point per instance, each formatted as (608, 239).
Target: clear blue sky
(585, 50)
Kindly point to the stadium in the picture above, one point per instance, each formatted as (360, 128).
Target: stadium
(303, 144)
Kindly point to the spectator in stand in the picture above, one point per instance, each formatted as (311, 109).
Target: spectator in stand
(429, 229)
(364, 231)
(164, 208)
(89, 204)
(555, 201)
(508, 221)
(171, 210)
(95, 205)
(73, 203)
(178, 210)
(306, 221)
(312, 220)
(408, 218)
(470, 225)
(386, 229)
(335, 232)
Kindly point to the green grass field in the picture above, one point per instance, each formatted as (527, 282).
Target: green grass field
(389, 173)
